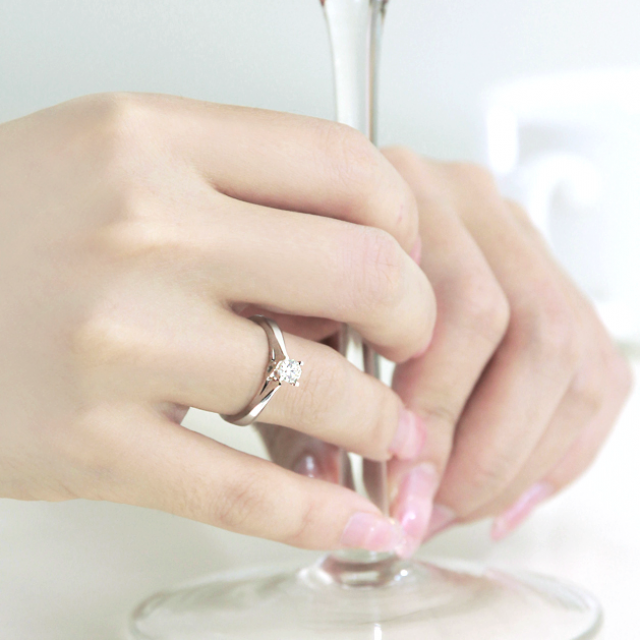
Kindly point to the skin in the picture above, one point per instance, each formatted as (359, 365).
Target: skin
(139, 232)
(136, 232)
(520, 385)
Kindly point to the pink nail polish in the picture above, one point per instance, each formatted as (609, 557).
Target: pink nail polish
(441, 518)
(515, 515)
(416, 251)
(410, 436)
(413, 506)
(371, 532)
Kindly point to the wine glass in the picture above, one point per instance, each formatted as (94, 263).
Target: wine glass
(359, 595)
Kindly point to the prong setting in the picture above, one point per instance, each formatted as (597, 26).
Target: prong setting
(288, 371)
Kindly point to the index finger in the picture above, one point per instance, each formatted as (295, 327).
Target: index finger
(291, 162)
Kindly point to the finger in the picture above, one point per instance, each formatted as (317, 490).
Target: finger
(200, 355)
(599, 377)
(532, 489)
(575, 411)
(221, 366)
(471, 320)
(294, 264)
(312, 266)
(286, 161)
(582, 401)
(305, 455)
(586, 448)
(530, 372)
(155, 463)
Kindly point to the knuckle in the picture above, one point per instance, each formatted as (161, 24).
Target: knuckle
(488, 475)
(129, 133)
(238, 502)
(550, 328)
(303, 522)
(373, 185)
(407, 222)
(484, 306)
(107, 349)
(356, 155)
(98, 340)
(352, 159)
(587, 389)
(107, 357)
(399, 196)
(376, 264)
(124, 114)
(138, 237)
(445, 415)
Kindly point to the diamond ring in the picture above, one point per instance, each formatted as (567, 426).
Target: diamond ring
(280, 368)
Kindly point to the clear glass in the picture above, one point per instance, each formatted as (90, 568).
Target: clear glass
(388, 600)
(357, 595)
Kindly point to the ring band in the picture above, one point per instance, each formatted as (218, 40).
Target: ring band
(280, 368)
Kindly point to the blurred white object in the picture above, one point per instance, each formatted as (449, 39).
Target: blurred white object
(567, 146)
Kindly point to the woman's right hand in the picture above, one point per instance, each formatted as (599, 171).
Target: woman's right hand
(136, 232)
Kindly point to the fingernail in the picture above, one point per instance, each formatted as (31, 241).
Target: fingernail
(308, 466)
(410, 436)
(371, 532)
(441, 518)
(515, 515)
(416, 251)
(413, 506)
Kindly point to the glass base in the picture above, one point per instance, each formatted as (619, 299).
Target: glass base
(378, 599)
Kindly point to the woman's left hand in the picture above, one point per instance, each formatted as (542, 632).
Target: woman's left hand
(521, 383)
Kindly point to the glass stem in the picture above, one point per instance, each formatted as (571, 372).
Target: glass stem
(355, 29)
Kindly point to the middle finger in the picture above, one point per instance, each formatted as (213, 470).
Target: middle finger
(306, 265)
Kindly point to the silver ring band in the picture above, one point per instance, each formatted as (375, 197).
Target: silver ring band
(280, 368)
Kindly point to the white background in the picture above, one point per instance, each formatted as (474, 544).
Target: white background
(438, 55)
(73, 571)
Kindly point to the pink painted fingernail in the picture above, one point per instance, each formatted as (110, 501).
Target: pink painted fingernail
(413, 506)
(371, 532)
(308, 466)
(410, 436)
(416, 251)
(514, 516)
(441, 518)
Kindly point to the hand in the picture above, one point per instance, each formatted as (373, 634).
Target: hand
(521, 383)
(135, 229)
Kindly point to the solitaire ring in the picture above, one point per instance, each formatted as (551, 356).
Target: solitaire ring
(280, 368)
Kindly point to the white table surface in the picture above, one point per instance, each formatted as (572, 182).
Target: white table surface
(74, 571)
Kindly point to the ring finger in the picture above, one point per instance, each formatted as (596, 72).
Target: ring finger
(216, 361)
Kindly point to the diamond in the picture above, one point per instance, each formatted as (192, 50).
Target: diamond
(288, 371)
